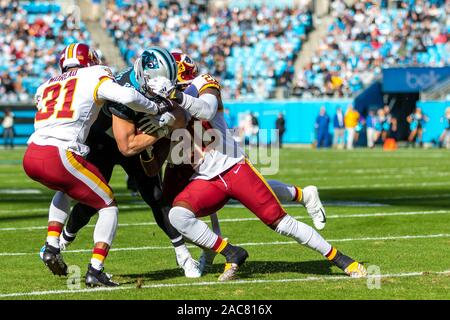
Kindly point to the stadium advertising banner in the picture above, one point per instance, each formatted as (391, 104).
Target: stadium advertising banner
(414, 79)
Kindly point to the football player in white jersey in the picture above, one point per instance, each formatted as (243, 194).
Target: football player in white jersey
(176, 177)
(68, 105)
(223, 172)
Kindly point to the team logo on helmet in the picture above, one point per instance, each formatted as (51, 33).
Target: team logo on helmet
(187, 68)
(149, 60)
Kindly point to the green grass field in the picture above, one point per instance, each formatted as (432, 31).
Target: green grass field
(390, 210)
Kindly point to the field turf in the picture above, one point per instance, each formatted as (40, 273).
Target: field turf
(390, 210)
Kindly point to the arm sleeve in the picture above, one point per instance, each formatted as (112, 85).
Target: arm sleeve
(109, 90)
(203, 108)
(121, 111)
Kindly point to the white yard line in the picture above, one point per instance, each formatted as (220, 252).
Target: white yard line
(387, 185)
(335, 216)
(248, 244)
(20, 191)
(362, 215)
(215, 283)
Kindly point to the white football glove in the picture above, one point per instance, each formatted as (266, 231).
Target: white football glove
(150, 124)
(161, 86)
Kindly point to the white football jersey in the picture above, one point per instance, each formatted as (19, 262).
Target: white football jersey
(67, 107)
(223, 153)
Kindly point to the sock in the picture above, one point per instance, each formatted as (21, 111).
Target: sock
(53, 233)
(66, 238)
(285, 192)
(303, 234)
(298, 194)
(339, 259)
(221, 246)
(105, 228)
(98, 258)
(192, 228)
(59, 207)
(178, 242)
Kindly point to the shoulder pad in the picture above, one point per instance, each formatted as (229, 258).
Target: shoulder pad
(205, 81)
(104, 72)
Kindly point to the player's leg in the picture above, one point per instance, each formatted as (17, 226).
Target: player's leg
(42, 164)
(89, 187)
(308, 196)
(104, 160)
(264, 204)
(150, 189)
(207, 257)
(201, 198)
(63, 170)
(176, 178)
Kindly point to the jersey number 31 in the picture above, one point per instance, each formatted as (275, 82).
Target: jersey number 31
(51, 95)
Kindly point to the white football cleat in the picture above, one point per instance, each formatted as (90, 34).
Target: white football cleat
(190, 267)
(314, 207)
(206, 260)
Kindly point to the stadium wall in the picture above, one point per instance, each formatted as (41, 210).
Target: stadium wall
(299, 115)
(435, 111)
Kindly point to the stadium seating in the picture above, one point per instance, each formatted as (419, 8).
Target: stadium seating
(257, 40)
(31, 36)
(364, 38)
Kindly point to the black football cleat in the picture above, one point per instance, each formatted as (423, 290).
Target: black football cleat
(54, 261)
(98, 278)
(234, 261)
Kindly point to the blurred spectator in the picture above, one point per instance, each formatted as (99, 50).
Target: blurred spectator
(364, 37)
(339, 129)
(250, 48)
(254, 138)
(280, 125)
(371, 128)
(416, 124)
(32, 34)
(444, 139)
(351, 120)
(8, 129)
(321, 125)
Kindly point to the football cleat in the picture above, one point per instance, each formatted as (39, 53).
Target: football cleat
(98, 278)
(314, 207)
(53, 260)
(356, 270)
(206, 260)
(232, 265)
(190, 267)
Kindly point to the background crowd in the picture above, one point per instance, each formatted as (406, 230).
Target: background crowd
(367, 36)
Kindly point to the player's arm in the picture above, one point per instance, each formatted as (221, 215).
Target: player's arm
(128, 141)
(201, 99)
(108, 89)
(204, 107)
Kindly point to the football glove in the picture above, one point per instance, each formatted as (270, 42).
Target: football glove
(148, 123)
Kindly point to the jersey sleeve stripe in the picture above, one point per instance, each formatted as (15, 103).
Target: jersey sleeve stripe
(102, 79)
(209, 85)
